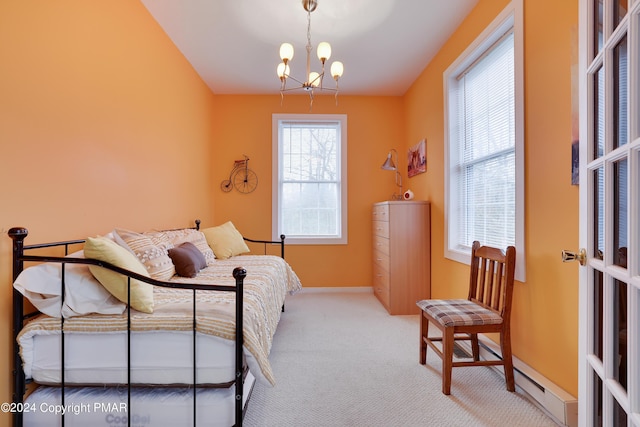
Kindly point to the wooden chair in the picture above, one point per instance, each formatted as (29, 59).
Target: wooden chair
(487, 310)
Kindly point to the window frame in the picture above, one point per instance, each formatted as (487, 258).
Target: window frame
(510, 17)
(341, 119)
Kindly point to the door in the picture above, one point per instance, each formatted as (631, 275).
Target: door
(609, 349)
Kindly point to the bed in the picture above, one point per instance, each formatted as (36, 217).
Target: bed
(153, 344)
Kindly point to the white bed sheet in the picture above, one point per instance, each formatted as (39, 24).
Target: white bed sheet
(160, 357)
(150, 407)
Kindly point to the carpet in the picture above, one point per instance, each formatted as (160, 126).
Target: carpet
(340, 359)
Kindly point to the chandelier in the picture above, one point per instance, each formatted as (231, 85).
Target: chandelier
(313, 79)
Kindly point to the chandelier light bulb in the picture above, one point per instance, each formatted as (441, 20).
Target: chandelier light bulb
(286, 52)
(337, 69)
(324, 51)
(282, 70)
(314, 79)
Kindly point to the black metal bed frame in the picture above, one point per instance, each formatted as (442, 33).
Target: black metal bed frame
(19, 234)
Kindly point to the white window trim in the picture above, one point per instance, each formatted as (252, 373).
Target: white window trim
(511, 16)
(275, 179)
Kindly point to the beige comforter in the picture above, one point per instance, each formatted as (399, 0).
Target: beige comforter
(269, 279)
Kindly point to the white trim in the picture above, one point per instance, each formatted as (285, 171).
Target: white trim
(511, 16)
(555, 401)
(275, 178)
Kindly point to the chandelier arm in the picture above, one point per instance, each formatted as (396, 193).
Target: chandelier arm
(289, 89)
(325, 89)
(295, 80)
(309, 90)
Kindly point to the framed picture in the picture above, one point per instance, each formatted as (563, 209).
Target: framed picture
(575, 132)
(575, 163)
(417, 159)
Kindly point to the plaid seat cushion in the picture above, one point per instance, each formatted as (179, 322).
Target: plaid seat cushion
(454, 312)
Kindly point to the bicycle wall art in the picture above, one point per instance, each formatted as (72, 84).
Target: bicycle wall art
(241, 178)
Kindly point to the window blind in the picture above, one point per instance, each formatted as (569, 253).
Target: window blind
(485, 172)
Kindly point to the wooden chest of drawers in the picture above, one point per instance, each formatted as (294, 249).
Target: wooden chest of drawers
(401, 254)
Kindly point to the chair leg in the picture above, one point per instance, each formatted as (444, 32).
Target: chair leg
(447, 359)
(475, 348)
(424, 333)
(505, 344)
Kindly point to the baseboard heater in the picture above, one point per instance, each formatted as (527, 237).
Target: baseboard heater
(555, 401)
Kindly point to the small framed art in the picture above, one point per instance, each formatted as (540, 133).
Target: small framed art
(417, 159)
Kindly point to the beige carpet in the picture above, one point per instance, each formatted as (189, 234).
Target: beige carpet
(340, 360)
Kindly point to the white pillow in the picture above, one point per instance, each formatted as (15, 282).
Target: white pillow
(41, 285)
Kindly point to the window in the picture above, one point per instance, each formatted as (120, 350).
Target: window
(309, 178)
(485, 179)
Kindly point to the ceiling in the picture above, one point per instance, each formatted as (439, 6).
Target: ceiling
(384, 44)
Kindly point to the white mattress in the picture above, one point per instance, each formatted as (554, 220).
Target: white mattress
(150, 407)
(158, 357)
(162, 342)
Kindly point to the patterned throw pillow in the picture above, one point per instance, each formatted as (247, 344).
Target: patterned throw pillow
(177, 237)
(151, 250)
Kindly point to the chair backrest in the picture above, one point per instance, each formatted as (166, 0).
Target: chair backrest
(492, 275)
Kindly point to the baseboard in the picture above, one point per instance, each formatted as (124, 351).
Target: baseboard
(357, 289)
(559, 404)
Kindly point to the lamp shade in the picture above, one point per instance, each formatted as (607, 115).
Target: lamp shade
(286, 52)
(314, 79)
(388, 164)
(282, 70)
(337, 69)
(324, 51)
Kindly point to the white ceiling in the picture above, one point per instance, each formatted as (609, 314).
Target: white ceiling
(383, 44)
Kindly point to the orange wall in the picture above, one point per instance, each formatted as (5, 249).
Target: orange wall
(544, 322)
(374, 125)
(113, 127)
(102, 123)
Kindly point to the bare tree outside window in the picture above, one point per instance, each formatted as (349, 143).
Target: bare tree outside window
(310, 185)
